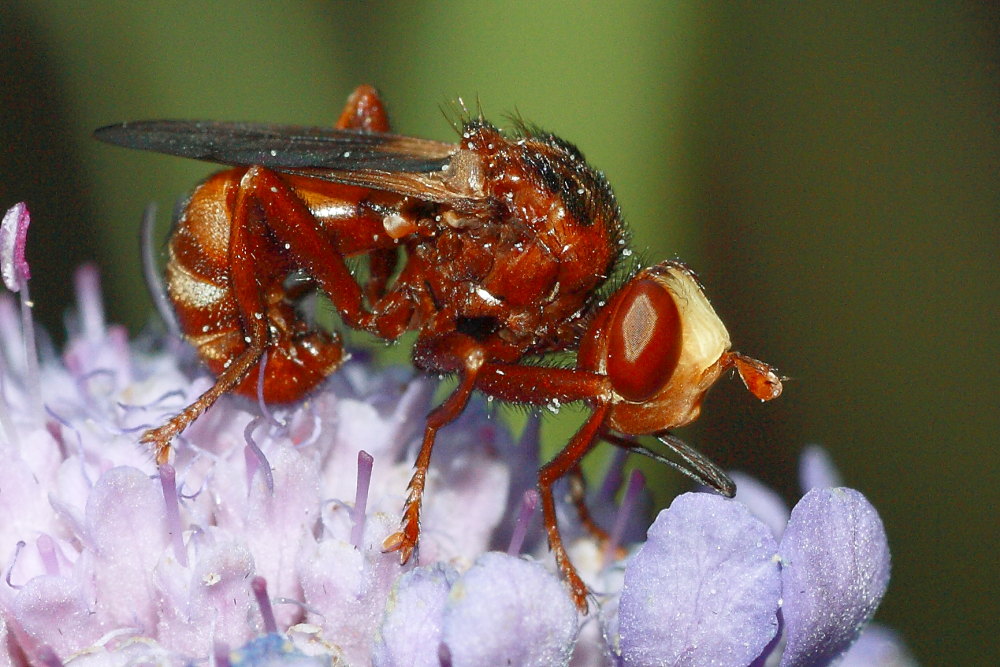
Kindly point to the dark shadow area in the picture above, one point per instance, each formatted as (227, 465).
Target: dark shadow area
(39, 167)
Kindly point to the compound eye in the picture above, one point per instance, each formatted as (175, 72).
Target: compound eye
(644, 341)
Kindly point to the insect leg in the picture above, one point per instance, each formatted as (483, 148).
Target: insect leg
(544, 385)
(364, 111)
(381, 264)
(250, 302)
(541, 385)
(578, 496)
(448, 351)
(159, 438)
(317, 252)
(293, 224)
(564, 462)
(392, 311)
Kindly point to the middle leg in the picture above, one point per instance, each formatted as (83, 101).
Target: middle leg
(470, 355)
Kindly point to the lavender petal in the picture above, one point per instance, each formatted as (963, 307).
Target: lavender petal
(509, 611)
(835, 570)
(704, 588)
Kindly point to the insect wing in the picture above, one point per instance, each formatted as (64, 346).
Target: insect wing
(390, 162)
(281, 147)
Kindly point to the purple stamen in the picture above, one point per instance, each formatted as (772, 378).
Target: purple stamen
(531, 436)
(365, 464)
(79, 449)
(528, 504)
(168, 481)
(32, 376)
(89, 303)
(154, 404)
(13, 561)
(613, 477)
(47, 552)
(6, 423)
(255, 457)
(636, 482)
(89, 384)
(151, 273)
(259, 586)
(13, 239)
(264, 410)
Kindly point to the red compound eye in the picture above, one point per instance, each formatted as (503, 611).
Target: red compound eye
(644, 341)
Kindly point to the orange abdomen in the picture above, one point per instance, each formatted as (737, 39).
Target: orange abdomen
(198, 280)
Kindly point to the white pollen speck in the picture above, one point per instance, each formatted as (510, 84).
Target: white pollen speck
(288, 246)
(259, 315)
(211, 578)
(580, 191)
(246, 339)
(487, 297)
(274, 190)
(274, 153)
(347, 153)
(204, 328)
(627, 252)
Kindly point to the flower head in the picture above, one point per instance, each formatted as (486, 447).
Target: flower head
(262, 543)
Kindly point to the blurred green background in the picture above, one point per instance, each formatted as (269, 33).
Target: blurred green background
(830, 170)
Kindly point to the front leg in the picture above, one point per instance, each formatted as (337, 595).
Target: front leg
(565, 462)
(541, 385)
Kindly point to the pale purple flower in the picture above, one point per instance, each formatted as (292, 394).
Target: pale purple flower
(261, 544)
(817, 574)
(502, 610)
(703, 589)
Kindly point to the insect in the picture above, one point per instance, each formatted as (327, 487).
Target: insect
(496, 251)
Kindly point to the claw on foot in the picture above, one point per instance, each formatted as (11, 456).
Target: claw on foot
(398, 541)
(159, 443)
(577, 589)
